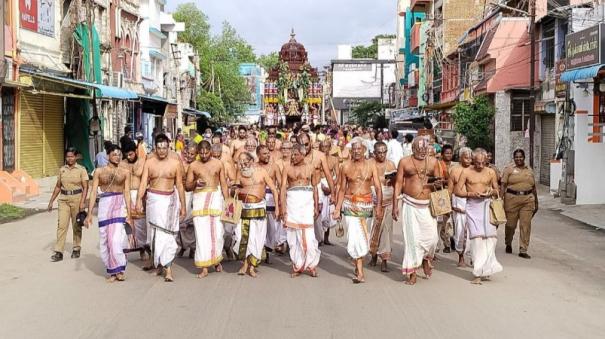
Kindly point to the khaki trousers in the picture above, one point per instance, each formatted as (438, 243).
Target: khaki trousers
(69, 206)
(445, 230)
(519, 209)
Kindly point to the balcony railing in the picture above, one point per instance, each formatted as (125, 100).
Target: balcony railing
(415, 38)
(420, 5)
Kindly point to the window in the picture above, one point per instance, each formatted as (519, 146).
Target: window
(147, 71)
(548, 45)
(519, 113)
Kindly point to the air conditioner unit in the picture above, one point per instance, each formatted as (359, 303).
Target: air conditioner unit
(117, 79)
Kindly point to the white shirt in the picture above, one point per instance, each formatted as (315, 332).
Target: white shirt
(101, 159)
(394, 151)
(407, 149)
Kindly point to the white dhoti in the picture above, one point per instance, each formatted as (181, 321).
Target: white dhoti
(327, 209)
(420, 236)
(304, 250)
(381, 241)
(139, 226)
(483, 238)
(357, 214)
(461, 236)
(207, 209)
(318, 222)
(112, 236)
(186, 237)
(251, 233)
(273, 225)
(163, 220)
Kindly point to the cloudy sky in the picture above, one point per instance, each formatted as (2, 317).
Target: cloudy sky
(319, 24)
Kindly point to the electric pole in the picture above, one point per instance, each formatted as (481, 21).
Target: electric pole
(532, 65)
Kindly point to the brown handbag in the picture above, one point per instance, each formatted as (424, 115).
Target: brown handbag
(440, 200)
(497, 215)
(232, 210)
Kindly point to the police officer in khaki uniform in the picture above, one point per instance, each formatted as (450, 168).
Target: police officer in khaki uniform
(71, 188)
(520, 202)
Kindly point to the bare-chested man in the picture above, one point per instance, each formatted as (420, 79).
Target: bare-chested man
(325, 205)
(298, 193)
(186, 237)
(276, 155)
(320, 164)
(273, 225)
(251, 231)
(355, 198)
(382, 228)
(414, 174)
(461, 240)
(225, 150)
(237, 145)
(206, 178)
(478, 184)
(134, 165)
(228, 227)
(161, 174)
(114, 182)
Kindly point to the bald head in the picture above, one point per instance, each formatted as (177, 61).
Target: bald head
(420, 147)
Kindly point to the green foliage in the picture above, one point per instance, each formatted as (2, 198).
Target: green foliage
(268, 61)
(474, 120)
(224, 91)
(371, 51)
(368, 113)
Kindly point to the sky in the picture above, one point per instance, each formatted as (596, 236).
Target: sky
(320, 25)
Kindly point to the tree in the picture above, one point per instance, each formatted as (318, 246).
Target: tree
(368, 113)
(473, 120)
(371, 51)
(224, 92)
(268, 61)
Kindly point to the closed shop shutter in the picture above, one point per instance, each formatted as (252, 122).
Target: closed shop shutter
(53, 134)
(41, 134)
(548, 147)
(31, 141)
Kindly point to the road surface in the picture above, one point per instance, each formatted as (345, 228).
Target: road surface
(559, 293)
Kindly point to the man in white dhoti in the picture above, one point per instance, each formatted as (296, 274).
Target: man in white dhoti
(300, 207)
(134, 165)
(217, 151)
(208, 181)
(419, 226)
(326, 203)
(273, 225)
(355, 198)
(382, 228)
(164, 206)
(251, 231)
(478, 184)
(461, 238)
(114, 182)
(186, 237)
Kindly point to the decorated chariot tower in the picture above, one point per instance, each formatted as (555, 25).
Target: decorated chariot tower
(293, 93)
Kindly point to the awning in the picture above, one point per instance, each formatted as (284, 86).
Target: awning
(104, 91)
(192, 111)
(581, 73)
(154, 105)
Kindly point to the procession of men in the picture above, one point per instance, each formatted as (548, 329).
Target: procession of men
(246, 196)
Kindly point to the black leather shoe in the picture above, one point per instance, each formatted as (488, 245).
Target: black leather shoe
(447, 250)
(509, 249)
(75, 254)
(58, 256)
(524, 255)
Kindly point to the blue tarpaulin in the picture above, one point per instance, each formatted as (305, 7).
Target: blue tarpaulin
(196, 112)
(581, 73)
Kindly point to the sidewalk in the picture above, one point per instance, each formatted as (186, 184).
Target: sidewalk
(47, 185)
(592, 215)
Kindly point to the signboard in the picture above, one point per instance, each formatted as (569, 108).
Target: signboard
(28, 14)
(352, 67)
(38, 16)
(584, 48)
(560, 87)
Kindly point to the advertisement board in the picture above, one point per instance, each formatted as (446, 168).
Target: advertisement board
(37, 16)
(362, 80)
(584, 48)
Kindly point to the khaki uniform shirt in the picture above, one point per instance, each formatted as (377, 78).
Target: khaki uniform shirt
(518, 179)
(72, 178)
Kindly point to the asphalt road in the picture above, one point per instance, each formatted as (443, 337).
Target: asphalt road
(559, 293)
